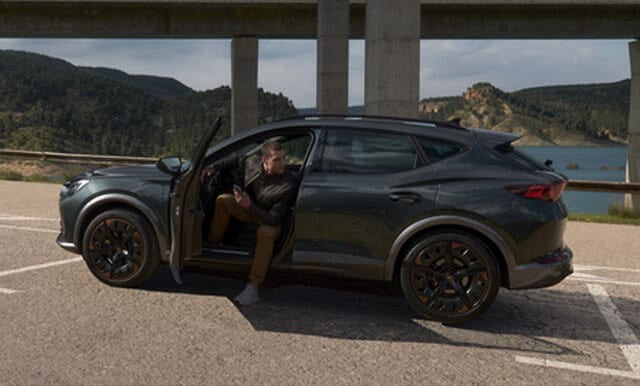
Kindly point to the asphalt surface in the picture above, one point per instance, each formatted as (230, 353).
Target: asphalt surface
(59, 325)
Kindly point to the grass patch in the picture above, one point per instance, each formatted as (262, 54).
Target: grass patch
(11, 176)
(603, 218)
(38, 178)
(15, 176)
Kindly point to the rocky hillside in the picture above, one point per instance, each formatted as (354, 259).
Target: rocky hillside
(560, 115)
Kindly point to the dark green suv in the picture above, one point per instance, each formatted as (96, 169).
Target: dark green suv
(449, 214)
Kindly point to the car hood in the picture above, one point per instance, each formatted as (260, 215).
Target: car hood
(149, 171)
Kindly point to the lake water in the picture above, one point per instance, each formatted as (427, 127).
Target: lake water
(590, 161)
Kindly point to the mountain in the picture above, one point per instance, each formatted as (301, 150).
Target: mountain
(49, 104)
(161, 87)
(593, 114)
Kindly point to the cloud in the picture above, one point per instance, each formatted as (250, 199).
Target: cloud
(448, 67)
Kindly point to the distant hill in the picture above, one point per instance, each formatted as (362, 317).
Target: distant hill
(50, 104)
(594, 114)
(161, 87)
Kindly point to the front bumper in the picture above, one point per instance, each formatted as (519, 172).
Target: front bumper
(67, 245)
(546, 271)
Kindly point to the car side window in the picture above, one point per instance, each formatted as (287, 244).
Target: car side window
(358, 152)
(437, 150)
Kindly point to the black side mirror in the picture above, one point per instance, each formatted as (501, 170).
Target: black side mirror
(170, 165)
(548, 162)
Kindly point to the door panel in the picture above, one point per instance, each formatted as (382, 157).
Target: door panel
(347, 220)
(183, 205)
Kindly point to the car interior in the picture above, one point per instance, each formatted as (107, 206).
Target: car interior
(240, 238)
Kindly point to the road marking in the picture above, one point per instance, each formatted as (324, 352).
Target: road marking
(579, 267)
(580, 275)
(603, 281)
(576, 367)
(7, 291)
(25, 218)
(627, 340)
(29, 229)
(39, 266)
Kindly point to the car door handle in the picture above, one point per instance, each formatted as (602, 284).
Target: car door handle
(405, 196)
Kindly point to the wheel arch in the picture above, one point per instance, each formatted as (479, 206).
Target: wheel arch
(419, 229)
(111, 201)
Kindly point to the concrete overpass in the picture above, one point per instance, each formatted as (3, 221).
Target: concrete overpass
(392, 30)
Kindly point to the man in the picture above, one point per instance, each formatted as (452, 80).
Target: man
(266, 199)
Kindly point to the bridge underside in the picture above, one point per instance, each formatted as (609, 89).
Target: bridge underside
(175, 19)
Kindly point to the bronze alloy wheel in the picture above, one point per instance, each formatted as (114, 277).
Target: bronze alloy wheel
(119, 249)
(450, 277)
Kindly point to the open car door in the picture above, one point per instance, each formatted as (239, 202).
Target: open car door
(184, 203)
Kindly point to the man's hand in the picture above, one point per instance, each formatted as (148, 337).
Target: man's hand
(242, 198)
(206, 172)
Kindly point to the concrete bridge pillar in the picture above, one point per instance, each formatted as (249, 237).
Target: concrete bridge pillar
(332, 88)
(392, 57)
(244, 84)
(633, 148)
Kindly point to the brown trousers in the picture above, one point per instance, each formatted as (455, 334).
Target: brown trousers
(266, 235)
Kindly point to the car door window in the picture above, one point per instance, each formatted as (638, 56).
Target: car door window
(357, 152)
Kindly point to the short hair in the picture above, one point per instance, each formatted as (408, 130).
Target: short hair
(270, 146)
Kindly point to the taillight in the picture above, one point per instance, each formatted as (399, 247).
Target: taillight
(545, 192)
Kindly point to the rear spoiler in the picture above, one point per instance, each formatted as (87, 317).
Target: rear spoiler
(493, 139)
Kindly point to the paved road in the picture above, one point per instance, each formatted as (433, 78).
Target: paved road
(59, 325)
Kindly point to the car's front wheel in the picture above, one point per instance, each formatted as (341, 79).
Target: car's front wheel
(450, 277)
(119, 248)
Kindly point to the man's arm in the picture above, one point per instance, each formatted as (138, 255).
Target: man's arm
(223, 164)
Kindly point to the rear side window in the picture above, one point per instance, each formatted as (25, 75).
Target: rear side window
(521, 158)
(436, 150)
(357, 152)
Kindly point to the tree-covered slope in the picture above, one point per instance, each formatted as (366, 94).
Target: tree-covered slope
(49, 104)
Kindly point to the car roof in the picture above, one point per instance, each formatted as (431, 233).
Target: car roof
(450, 131)
(369, 122)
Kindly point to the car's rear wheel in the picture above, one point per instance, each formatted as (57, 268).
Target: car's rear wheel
(450, 277)
(119, 248)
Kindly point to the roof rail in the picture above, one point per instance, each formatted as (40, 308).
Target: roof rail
(454, 124)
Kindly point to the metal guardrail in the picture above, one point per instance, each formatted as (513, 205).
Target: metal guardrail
(593, 186)
(74, 158)
(604, 186)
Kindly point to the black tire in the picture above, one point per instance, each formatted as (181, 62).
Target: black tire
(120, 249)
(450, 277)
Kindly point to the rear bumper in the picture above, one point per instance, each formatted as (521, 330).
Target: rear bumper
(546, 271)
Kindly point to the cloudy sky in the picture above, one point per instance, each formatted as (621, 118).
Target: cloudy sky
(447, 67)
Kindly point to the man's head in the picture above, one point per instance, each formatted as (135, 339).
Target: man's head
(273, 157)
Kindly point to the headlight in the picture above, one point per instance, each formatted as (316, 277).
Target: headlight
(73, 186)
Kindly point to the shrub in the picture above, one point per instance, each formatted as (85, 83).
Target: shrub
(620, 210)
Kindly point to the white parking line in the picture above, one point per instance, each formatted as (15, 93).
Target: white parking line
(627, 340)
(10, 217)
(29, 229)
(39, 266)
(579, 267)
(8, 291)
(576, 367)
(603, 281)
(629, 343)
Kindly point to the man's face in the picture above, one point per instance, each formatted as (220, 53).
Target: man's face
(274, 163)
